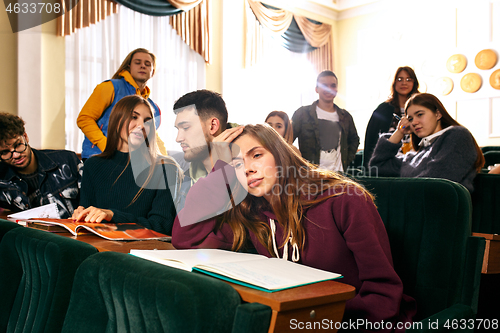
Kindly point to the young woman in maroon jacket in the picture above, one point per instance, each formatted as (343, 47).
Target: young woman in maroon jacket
(293, 210)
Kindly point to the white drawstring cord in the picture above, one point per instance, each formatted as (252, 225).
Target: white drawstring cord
(295, 248)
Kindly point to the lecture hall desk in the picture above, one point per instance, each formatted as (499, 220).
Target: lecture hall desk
(322, 302)
(311, 303)
(491, 260)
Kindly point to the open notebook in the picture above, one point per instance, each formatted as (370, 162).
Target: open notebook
(251, 270)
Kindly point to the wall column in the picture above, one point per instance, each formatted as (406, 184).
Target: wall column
(29, 82)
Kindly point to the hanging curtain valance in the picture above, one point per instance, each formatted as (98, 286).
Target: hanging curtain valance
(293, 39)
(296, 33)
(316, 33)
(188, 17)
(193, 27)
(185, 5)
(151, 7)
(275, 19)
(83, 14)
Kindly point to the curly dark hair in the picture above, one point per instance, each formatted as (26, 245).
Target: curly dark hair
(11, 126)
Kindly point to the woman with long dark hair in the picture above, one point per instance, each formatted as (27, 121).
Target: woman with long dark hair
(298, 212)
(404, 85)
(442, 148)
(129, 181)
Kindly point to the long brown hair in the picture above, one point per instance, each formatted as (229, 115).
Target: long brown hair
(394, 97)
(432, 103)
(288, 124)
(303, 183)
(120, 118)
(128, 59)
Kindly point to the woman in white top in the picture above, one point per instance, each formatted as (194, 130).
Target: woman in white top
(442, 147)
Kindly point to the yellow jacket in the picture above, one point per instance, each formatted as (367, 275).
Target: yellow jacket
(102, 97)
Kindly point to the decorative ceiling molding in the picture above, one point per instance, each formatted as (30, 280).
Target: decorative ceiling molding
(363, 7)
(306, 8)
(328, 11)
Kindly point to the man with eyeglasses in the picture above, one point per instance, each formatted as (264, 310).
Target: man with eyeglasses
(31, 178)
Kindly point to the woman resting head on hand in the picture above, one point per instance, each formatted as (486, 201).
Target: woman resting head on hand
(442, 148)
(128, 181)
(296, 211)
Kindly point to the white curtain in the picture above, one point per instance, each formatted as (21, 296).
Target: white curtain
(93, 54)
(273, 78)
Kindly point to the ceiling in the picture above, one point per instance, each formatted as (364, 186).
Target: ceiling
(325, 10)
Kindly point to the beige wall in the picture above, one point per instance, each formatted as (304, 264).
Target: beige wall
(367, 49)
(8, 59)
(214, 69)
(53, 87)
(399, 33)
(49, 132)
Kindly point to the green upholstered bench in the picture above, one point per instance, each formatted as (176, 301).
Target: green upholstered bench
(486, 204)
(486, 220)
(36, 277)
(490, 148)
(117, 292)
(428, 222)
(6, 226)
(491, 157)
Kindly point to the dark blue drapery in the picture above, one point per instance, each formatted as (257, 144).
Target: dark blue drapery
(150, 7)
(293, 39)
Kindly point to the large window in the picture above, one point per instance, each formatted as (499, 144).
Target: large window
(93, 55)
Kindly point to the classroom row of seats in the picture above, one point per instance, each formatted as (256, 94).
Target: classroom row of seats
(491, 157)
(485, 197)
(429, 226)
(391, 198)
(50, 283)
(429, 223)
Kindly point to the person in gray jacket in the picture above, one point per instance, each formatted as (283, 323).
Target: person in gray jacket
(327, 134)
(442, 148)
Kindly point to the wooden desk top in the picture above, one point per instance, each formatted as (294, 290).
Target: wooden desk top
(491, 259)
(300, 297)
(103, 245)
(495, 237)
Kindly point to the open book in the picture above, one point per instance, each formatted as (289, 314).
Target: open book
(111, 231)
(251, 270)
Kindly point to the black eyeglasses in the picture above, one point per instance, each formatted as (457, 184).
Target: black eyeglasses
(408, 79)
(19, 148)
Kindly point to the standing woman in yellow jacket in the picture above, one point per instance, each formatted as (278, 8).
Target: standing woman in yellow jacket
(130, 79)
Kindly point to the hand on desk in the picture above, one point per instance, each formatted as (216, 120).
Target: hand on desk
(92, 214)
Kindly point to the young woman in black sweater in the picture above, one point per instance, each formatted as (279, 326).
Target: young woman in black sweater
(129, 182)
